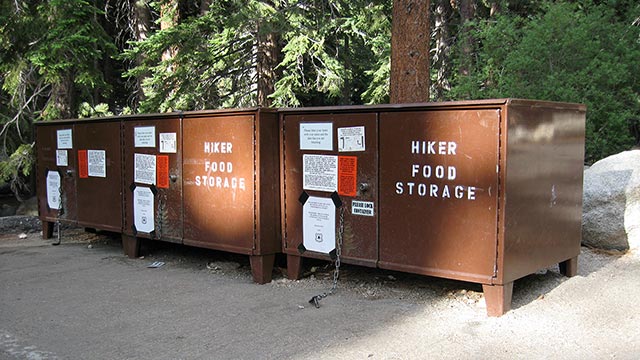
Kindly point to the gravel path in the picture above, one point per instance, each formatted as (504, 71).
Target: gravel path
(85, 300)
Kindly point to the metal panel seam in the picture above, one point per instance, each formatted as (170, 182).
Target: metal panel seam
(498, 191)
(377, 196)
(122, 176)
(256, 144)
(284, 184)
(181, 162)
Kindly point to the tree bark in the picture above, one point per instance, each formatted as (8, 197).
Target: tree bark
(410, 51)
(62, 98)
(467, 14)
(442, 54)
(141, 23)
(496, 8)
(169, 17)
(267, 57)
(204, 7)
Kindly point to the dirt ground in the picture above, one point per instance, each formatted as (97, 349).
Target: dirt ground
(83, 299)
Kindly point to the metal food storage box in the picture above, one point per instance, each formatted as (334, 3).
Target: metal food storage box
(207, 179)
(482, 191)
(79, 174)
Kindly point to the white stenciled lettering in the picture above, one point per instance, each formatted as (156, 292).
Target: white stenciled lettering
(217, 147)
(436, 190)
(427, 171)
(218, 166)
(432, 147)
(220, 182)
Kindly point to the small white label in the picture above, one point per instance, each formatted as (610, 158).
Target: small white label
(97, 163)
(168, 143)
(143, 209)
(53, 190)
(65, 139)
(62, 158)
(363, 208)
(145, 136)
(351, 139)
(316, 136)
(319, 225)
(145, 169)
(320, 172)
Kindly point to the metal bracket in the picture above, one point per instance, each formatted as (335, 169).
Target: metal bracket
(303, 197)
(336, 200)
(301, 248)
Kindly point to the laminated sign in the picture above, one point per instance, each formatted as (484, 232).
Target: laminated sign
(319, 224)
(320, 172)
(162, 175)
(83, 164)
(145, 169)
(53, 190)
(347, 175)
(143, 209)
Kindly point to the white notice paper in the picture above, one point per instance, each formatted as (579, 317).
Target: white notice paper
(53, 190)
(62, 158)
(351, 139)
(168, 143)
(65, 140)
(145, 136)
(316, 136)
(143, 209)
(320, 172)
(97, 162)
(319, 225)
(145, 169)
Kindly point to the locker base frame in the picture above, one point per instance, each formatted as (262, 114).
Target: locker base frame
(497, 296)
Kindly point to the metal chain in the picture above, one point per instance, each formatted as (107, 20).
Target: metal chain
(336, 273)
(159, 217)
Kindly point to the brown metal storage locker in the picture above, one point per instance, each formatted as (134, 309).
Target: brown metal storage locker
(206, 179)
(56, 166)
(79, 173)
(482, 191)
(152, 148)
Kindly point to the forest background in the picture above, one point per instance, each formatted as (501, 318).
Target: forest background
(84, 58)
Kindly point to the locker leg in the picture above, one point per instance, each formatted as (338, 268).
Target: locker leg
(498, 298)
(569, 267)
(262, 267)
(47, 229)
(131, 246)
(294, 267)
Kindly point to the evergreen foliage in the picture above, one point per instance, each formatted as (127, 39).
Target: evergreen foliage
(71, 58)
(572, 52)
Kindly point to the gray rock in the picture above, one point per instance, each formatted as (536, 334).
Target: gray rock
(28, 207)
(7, 210)
(611, 203)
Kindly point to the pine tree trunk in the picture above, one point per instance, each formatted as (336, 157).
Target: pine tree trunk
(62, 98)
(442, 54)
(204, 6)
(467, 13)
(169, 17)
(141, 23)
(410, 51)
(267, 57)
(496, 8)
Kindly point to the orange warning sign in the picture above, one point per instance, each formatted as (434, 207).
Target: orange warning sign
(83, 164)
(162, 171)
(347, 174)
